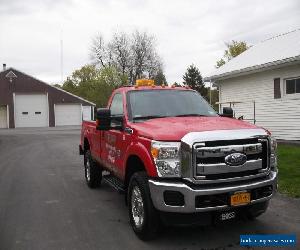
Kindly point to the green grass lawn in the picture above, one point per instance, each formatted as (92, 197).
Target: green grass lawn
(289, 170)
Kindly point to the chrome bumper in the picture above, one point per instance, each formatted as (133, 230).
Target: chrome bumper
(157, 189)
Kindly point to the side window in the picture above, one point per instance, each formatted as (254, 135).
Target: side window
(292, 86)
(116, 106)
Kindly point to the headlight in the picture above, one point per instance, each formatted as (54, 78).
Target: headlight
(273, 157)
(166, 158)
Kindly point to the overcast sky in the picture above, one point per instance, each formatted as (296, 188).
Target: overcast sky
(186, 31)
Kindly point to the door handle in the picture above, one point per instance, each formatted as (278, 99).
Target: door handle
(128, 130)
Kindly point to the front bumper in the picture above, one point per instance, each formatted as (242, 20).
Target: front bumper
(190, 193)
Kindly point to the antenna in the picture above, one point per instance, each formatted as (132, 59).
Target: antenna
(61, 57)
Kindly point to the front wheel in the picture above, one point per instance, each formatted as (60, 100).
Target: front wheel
(92, 172)
(144, 218)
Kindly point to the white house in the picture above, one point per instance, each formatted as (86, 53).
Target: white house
(263, 83)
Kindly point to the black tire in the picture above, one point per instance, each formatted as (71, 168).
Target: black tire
(92, 171)
(150, 225)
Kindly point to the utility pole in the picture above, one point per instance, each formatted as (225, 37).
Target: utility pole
(61, 57)
(210, 92)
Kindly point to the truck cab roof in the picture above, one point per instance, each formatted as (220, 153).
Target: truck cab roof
(154, 87)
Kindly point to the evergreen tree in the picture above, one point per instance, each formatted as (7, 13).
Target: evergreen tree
(176, 84)
(160, 78)
(194, 80)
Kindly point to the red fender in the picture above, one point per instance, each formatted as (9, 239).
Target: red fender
(140, 150)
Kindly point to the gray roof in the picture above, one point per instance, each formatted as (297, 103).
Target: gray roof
(283, 49)
(11, 69)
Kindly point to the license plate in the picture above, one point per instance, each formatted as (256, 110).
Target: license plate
(227, 216)
(240, 199)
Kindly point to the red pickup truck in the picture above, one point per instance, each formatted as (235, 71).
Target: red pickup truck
(176, 160)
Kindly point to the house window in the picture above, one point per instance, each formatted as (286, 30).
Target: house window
(292, 86)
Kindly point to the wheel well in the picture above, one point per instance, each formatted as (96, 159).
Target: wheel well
(86, 145)
(133, 164)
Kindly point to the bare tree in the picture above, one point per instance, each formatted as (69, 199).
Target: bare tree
(155, 66)
(121, 53)
(145, 58)
(99, 52)
(134, 55)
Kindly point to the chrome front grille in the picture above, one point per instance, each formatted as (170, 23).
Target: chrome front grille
(209, 159)
(214, 155)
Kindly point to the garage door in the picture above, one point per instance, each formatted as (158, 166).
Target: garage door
(68, 114)
(3, 117)
(31, 110)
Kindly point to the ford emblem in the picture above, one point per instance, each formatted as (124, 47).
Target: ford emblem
(235, 159)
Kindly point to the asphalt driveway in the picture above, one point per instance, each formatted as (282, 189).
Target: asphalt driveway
(45, 203)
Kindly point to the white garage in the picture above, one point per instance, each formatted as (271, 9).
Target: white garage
(3, 117)
(68, 114)
(31, 110)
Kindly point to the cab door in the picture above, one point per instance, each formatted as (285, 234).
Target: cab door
(114, 146)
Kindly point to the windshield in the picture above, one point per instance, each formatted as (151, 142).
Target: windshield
(149, 104)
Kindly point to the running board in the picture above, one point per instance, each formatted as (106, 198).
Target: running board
(114, 182)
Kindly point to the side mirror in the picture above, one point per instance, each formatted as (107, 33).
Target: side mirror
(227, 112)
(103, 119)
(117, 122)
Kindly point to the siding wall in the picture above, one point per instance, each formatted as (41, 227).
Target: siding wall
(280, 116)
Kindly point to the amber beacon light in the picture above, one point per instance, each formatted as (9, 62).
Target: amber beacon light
(144, 82)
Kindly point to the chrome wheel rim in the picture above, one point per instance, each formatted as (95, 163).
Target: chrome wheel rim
(88, 170)
(137, 207)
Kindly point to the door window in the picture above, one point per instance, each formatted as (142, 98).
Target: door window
(116, 107)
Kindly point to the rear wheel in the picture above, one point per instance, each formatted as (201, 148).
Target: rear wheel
(144, 218)
(93, 172)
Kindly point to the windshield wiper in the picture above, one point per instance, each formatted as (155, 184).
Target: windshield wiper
(148, 117)
(185, 115)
